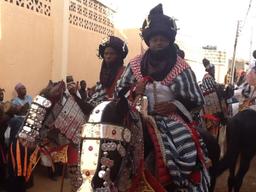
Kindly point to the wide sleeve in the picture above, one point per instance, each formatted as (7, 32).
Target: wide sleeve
(187, 91)
(126, 82)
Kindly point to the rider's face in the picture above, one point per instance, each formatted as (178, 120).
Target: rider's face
(110, 55)
(158, 42)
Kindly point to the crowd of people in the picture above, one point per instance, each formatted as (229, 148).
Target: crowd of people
(161, 74)
(12, 114)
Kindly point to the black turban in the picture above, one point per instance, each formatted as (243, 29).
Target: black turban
(116, 43)
(254, 54)
(158, 24)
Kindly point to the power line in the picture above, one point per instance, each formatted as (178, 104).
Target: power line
(246, 15)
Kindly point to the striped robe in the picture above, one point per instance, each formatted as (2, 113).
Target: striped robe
(208, 83)
(104, 94)
(180, 150)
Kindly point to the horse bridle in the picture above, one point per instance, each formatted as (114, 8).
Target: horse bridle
(34, 119)
(105, 137)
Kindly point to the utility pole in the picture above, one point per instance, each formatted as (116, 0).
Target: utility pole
(234, 54)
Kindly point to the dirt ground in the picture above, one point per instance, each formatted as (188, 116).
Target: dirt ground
(43, 184)
(249, 183)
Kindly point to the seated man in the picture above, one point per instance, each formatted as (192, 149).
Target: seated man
(172, 90)
(22, 101)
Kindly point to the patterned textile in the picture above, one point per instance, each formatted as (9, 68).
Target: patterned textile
(23, 159)
(51, 155)
(67, 118)
(180, 149)
(20, 102)
(75, 177)
(213, 104)
(208, 83)
(104, 94)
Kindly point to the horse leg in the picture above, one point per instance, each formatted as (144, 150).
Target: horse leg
(232, 152)
(245, 160)
(232, 169)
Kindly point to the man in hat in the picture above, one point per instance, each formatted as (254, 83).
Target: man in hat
(112, 51)
(22, 101)
(209, 77)
(172, 91)
(82, 90)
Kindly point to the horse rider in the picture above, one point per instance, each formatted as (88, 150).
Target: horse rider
(172, 91)
(112, 51)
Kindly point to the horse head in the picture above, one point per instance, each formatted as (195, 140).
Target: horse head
(106, 147)
(54, 91)
(54, 110)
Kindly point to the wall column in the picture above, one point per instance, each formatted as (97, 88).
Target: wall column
(60, 14)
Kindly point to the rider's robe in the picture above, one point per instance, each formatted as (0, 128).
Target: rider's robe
(179, 148)
(102, 93)
(214, 105)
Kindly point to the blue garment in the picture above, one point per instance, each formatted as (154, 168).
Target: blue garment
(20, 102)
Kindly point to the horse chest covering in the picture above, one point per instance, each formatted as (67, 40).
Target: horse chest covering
(34, 119)
(69, 119)
(212, 104)
(99, 141)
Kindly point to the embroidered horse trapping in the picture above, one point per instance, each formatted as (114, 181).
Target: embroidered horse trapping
(69, 119)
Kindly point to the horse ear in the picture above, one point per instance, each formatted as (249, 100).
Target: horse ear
(122, 105)
(50, 82)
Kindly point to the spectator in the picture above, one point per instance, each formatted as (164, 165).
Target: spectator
(1, 95)
(82, 90)
(22, 101)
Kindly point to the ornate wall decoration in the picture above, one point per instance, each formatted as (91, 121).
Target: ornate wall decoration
(39, 6)
(91, 15)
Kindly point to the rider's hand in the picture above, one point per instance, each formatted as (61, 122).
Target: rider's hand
(164, 108)
(140, 88)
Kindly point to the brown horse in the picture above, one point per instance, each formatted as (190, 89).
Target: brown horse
(39, 125)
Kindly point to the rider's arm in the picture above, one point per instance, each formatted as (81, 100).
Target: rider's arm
(187, 90)
(125, 83)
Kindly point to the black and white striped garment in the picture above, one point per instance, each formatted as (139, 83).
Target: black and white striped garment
(181, 154)
(184, 86)
(208, 83)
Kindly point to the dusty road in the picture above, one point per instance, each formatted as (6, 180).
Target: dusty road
(44, 184)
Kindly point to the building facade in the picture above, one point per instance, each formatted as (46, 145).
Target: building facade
(49, 39)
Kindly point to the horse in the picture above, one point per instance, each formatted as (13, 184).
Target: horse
(114, 170)
(52, 112)
(240, 135)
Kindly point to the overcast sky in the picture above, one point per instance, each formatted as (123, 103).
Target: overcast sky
(205, 21)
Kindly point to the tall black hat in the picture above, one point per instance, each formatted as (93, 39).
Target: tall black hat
(158, 24)
(116, 43)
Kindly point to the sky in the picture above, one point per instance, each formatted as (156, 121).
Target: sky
(203, 22)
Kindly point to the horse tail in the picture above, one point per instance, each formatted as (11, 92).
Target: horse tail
(232, 152)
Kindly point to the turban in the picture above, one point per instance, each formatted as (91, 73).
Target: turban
(116, 43)
(18, 86)
(158, 24)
